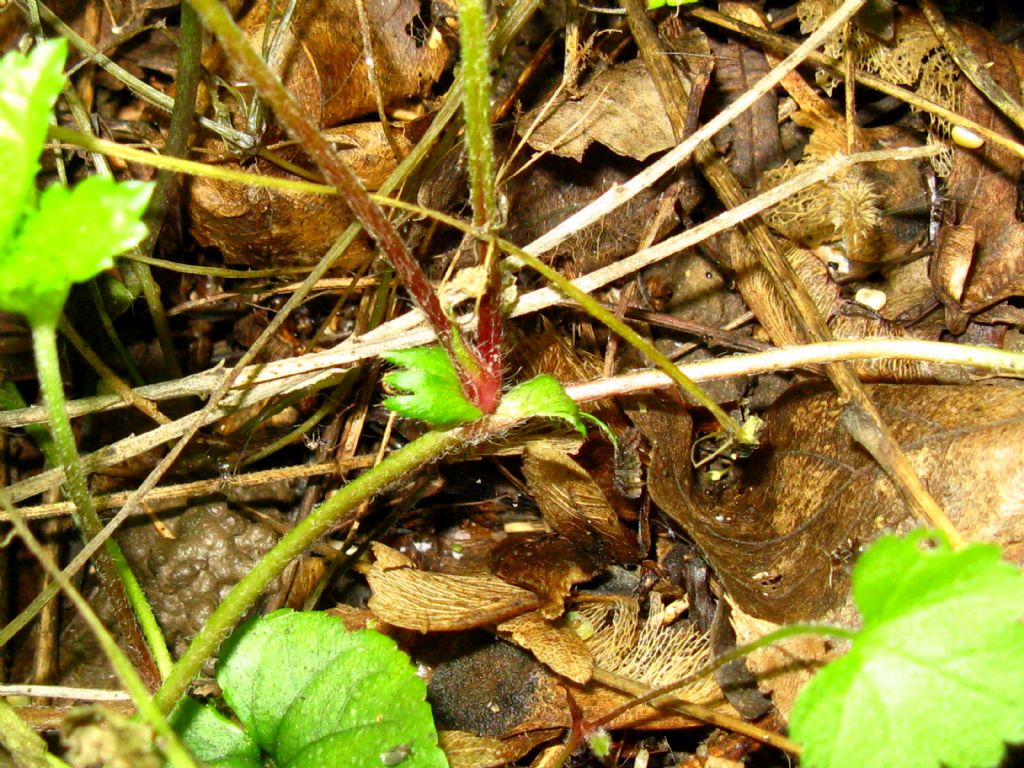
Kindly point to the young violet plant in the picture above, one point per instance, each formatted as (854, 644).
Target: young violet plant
(308, 693)
(48, 242)
(935, 675)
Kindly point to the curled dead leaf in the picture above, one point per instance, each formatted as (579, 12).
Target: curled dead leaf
(574, 505)
(320, 58)
(257, 225)
(432, 602)
(783, 539)
(559, 648)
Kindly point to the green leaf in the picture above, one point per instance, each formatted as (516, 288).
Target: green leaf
(29, 85)
(432, 383)
(311, 693)
(542, 396)
(74, 234)
(936, 675)
(212, 738)
(654, 4)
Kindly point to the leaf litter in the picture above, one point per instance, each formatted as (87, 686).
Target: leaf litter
(561, 571)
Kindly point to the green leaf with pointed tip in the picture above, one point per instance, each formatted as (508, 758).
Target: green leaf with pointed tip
(29, 86)
(542, 396)
(936, 675)
(432, 383)
(311, 693)
(212, 738)
(72, 236)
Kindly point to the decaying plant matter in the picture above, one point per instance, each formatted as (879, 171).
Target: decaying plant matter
(416, 265)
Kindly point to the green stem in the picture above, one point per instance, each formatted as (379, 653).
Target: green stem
(424, 450)
(25, 745)
(172, 746)
(476, 112)
(593, 308)
(117, 577)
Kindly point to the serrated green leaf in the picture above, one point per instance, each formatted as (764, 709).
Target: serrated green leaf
(432, 383)
(29, 86)
(311, 693)
(542, 396)
(72, 236)
(936, 675)
(212, 738)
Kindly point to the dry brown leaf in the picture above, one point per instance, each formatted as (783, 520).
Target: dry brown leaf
(432, 602)
(618, 108)
(782, 668)
(783, 539)
(257, 225)
(752, 139)
(321, 61)
(983, 189)
(555, 188)
(574, 505)
(467, 750)
(981, 185)
(547, 564)
(560, 648)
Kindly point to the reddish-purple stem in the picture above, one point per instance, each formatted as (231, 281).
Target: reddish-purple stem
(469, 362)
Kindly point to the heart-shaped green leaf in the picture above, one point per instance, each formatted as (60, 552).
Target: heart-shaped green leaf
(935, 677)
(310, 693)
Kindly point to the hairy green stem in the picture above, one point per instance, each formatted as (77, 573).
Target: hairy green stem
(119, 581)
(176, 753)
(25, 745)
(476, 111)
(420, 452)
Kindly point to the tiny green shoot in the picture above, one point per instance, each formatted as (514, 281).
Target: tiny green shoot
(308, 693)
(432, 393)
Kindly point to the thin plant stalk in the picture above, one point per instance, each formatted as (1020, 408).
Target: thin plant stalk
(424, 450)
(122, 586)
(614, 323)
(466, 358)
(476, 112)
(175, 751)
